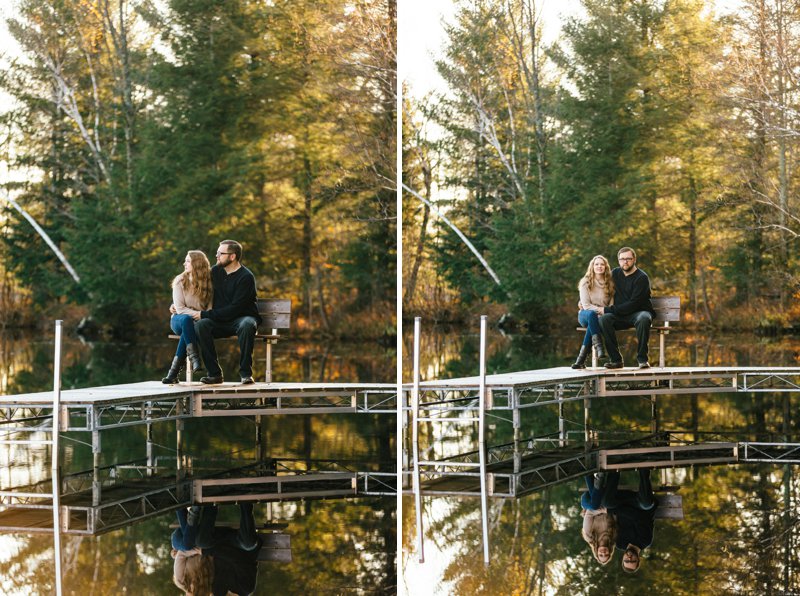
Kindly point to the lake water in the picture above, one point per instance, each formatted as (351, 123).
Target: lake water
(741, 523)
(338, 545)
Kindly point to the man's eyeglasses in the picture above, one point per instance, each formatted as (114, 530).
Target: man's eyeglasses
(619, 259)
(224, 253)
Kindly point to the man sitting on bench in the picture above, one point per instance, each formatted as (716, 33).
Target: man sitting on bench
(631, 308)
(234, 312)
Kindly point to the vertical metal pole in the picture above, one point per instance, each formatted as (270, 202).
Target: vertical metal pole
(515, 421)
(482, 443)
(97, 450)
(653, 414)
(259, 438)
(587, 404)
(415, 442)
(188, 370)
(151, 460)
(179, 468)
(54, 457)
(562, 426)
(268, 374)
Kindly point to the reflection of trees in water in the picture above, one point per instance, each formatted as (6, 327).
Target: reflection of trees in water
(741, 528)
(738, 536)
(337, 546)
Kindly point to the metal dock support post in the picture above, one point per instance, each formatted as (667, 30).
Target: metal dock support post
(180, 473)
(150, 444)
(482, 444)
(415, 442)
(515, 421)
(268, 360)
(54, 457)
(562, 422)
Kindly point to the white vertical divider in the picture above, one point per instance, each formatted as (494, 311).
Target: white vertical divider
(415, 442)
(54, 460)
(482, 443)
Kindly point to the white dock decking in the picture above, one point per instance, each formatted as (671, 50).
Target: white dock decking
(113, 406)
(564, 374)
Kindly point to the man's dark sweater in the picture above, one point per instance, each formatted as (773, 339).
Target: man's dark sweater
(235, 569)
(634, 526)
(631, 293)
(234, 295)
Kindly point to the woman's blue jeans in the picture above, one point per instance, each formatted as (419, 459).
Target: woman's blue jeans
(183, 325)
(595, 498)
(588, 319)
(185, 537)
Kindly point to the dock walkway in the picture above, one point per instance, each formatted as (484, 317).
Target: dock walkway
(115, 406)
(530, 464)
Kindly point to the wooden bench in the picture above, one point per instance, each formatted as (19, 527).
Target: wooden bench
(275, 315)
(276, 545)
(668, 310)
(670, 505)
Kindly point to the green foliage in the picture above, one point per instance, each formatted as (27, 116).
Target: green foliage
(162, 128)
(650, 124)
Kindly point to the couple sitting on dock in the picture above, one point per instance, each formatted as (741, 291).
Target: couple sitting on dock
(209, 559)
(611, 300)
(213, 302)
(618, 518)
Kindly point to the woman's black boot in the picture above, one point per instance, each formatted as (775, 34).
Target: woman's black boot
(597, 343)
(581, 360)
(194, 358)
(172, 373)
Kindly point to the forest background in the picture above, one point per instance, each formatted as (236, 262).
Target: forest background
(136, 130)
(668, 125)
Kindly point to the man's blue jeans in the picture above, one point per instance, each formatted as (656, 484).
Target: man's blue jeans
(183, 325)
(590, 320)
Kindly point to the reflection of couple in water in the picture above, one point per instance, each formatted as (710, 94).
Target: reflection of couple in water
(215, 560)
(618, 518)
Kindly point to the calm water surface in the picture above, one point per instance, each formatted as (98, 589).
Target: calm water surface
(741, 523)
(338, 545)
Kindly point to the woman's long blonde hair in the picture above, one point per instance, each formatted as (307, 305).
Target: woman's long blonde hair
(198, 579)
(589, 278)
(197, 280)
(610, 533)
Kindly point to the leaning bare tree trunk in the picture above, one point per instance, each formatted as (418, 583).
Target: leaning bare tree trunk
(538, 118)
(125, 85)
(783, 179)
(426, 212)
(692, 265)
(321, 301)
(307, 236)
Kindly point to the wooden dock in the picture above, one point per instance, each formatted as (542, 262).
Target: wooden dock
(510, 391)
(115, 406)
(531, 464)
(97, 501)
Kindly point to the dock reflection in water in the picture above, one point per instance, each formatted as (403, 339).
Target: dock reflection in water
(729, 521)
(322, 485)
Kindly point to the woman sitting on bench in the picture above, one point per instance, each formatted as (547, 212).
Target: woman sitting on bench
(596, 290)
(191, 293)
